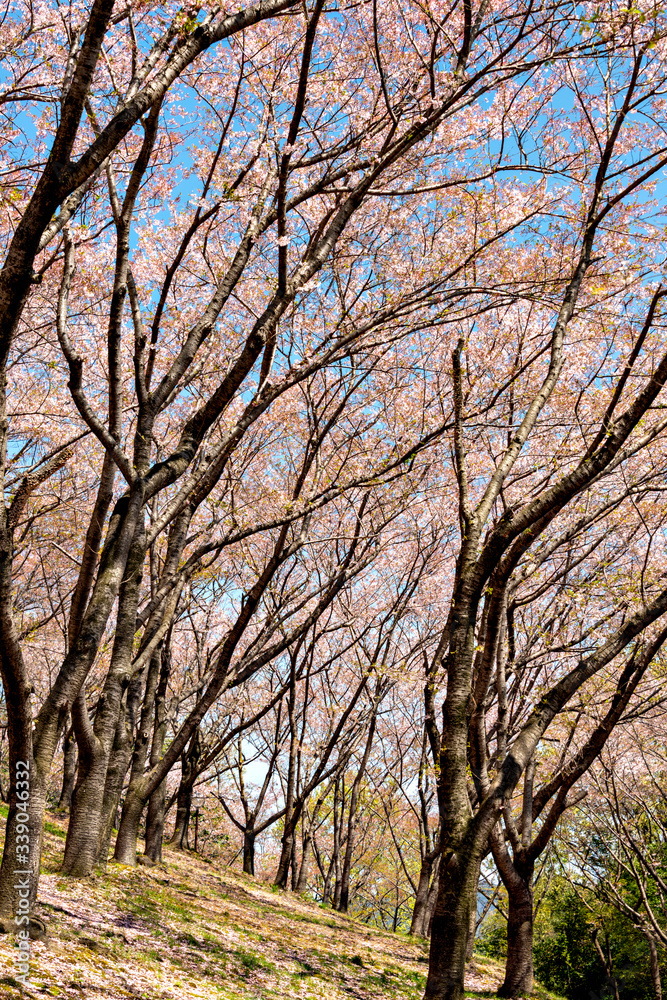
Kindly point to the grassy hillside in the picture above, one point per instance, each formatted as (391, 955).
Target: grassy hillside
(184, 929)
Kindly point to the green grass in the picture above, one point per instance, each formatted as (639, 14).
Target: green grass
(253, 962)
(57, 831)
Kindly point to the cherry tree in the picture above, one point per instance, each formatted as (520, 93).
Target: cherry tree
(273, 283)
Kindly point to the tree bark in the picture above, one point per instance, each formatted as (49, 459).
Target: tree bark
(302, 881)
(326, 887)
(119, 760)
(179, 838)
(113, 786)
(417, 925)
(69, 770)
(40, 743)
(83, 830)
(126, 841)
(450, 928)
(249, 851)
(338, 807)
(352, 818)
(432, 898)
(294, 863)
(27, 780)
(155, 815)
(462, 839)
(289, 832)
(96, 741)
(519, 967)
(655, 967)
(282, 874)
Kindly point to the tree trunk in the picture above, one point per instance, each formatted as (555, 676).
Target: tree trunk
(125, 850)
(463, 839)
(337, 884)
(282, 874)
(344, 902)
(294, 863)
(69, 770)
(135, 800)
(450, 927)
(83, 829)
(249, 851)
(38, 746)
(19, 872)
(326, 888)
(419, 912)
(519, 967)
(155, 823)
(655, 967)
(121, 753)
(517, 874)
(432, 898)
(302, 881)
(289, 831)
(470, 950)
(472, 930)
(142, 731)
(27, 785)
(338, 807)
(113, 787)
(96, 742)
(179, 838)
(155, 815)
(352, 818)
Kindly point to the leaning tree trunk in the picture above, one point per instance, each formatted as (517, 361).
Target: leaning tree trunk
(421, 913)
(125, 850)
(286, 852)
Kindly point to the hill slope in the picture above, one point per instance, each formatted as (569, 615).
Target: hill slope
(185, 929)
